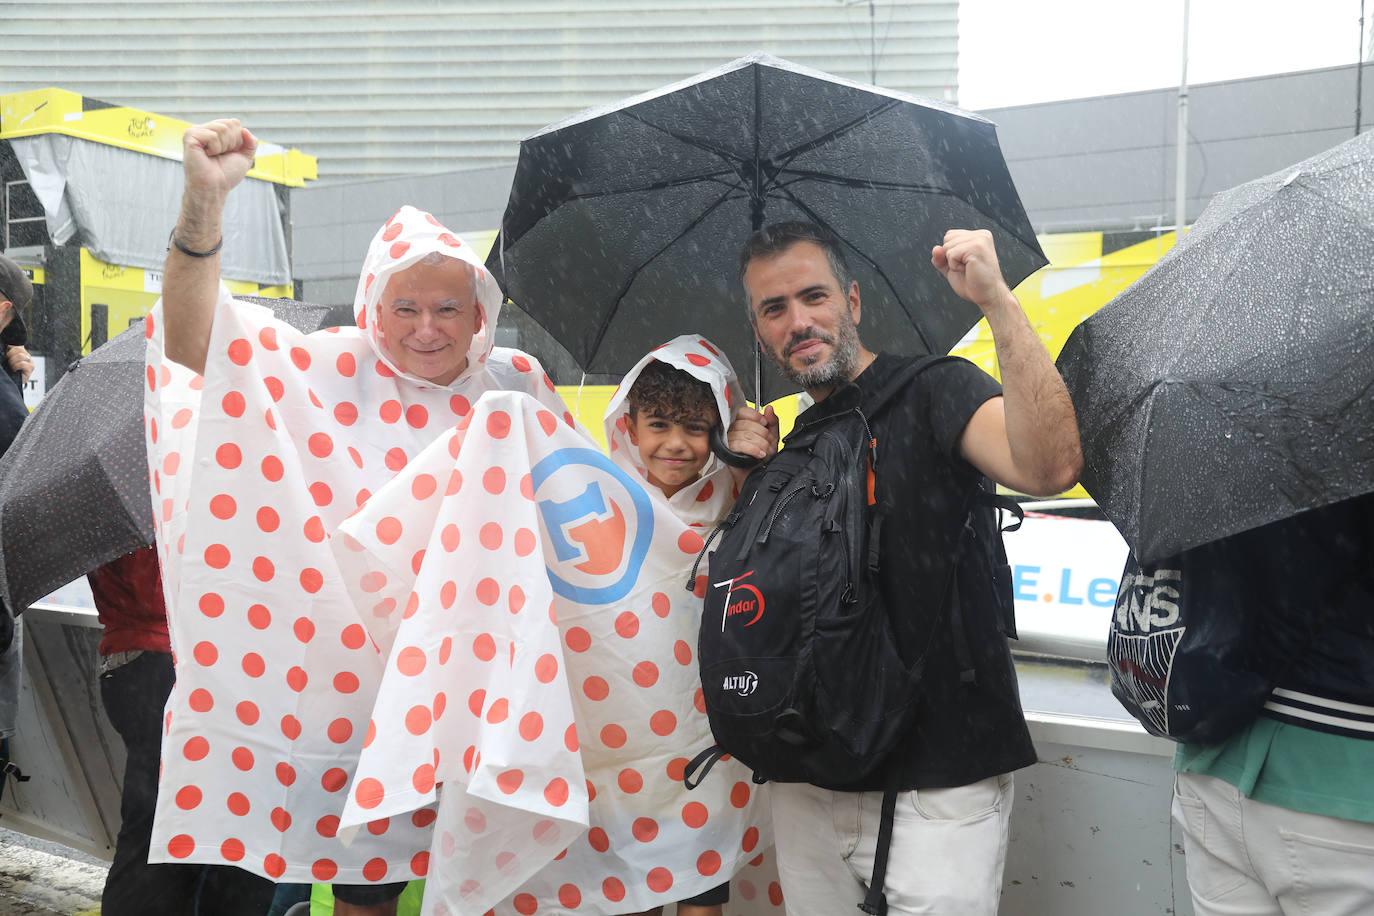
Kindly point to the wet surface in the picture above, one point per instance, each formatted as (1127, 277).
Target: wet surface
(1067, 688)
(38, 878)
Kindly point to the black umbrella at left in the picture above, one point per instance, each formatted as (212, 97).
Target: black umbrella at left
(74, 485)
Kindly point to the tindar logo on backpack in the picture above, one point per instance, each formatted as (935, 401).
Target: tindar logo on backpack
(741, 598)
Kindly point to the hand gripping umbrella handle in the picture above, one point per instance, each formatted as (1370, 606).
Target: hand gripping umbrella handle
(723, 452)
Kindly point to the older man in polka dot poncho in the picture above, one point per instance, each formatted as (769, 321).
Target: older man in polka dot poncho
(262, 440)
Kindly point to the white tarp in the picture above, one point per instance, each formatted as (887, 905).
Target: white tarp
(123, 204)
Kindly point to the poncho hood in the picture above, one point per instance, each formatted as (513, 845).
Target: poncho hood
(407, 238)
(700, 359)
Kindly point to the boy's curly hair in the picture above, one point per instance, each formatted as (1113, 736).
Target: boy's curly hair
(665, 391)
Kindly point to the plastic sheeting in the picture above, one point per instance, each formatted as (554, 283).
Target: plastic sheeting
(123, 204)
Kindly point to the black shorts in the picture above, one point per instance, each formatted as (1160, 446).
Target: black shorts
(714, 897)
(368, 894)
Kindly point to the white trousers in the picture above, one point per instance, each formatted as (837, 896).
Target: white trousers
(948, 848)
(1246, 858)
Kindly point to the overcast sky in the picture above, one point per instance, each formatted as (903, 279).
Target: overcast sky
(1014, 52)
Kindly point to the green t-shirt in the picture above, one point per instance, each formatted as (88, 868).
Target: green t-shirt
(1297, 768)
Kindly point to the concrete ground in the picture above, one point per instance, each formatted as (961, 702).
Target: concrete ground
(38, 878)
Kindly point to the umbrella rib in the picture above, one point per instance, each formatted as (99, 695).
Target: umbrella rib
(915, 188)
(824, 178)
(688, 140)
(786, 158)
(1360, 218)
(662, 186)
(634, 274)
(870, 184)
(820, 221)
(1269, 197)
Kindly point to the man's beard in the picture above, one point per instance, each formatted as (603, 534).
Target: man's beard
(844, 356)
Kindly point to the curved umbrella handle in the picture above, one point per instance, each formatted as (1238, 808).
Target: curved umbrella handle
(722, 451)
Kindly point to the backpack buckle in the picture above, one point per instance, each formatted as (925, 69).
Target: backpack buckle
(875, 540)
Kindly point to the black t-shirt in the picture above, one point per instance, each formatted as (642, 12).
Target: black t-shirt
(962, 732)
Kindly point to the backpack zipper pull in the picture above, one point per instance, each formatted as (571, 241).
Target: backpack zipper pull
(782, 504)
(871, 484)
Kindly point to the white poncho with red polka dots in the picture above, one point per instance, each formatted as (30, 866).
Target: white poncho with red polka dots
(253, 469)
(542, 672)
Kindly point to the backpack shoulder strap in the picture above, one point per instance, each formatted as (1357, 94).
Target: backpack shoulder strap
(897, 384)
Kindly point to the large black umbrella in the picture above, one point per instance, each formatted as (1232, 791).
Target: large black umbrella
(74, 485)
(1233, 384)
(625, 223)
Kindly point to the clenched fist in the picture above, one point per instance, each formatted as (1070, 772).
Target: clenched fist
(216, 156)
(968, 261)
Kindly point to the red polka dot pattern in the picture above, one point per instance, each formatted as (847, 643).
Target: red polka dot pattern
(340, 598)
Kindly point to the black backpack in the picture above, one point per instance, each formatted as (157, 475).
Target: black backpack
(1180, 648)
(799, 665)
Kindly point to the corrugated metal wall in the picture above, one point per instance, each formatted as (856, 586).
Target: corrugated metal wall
(390, 87)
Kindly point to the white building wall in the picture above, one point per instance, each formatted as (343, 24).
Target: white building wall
(389, 87)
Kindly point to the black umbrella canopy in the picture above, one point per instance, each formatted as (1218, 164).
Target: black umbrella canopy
(74, 484)
(625, 223)
(1233, 385)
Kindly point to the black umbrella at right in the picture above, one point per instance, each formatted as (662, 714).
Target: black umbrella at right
(1233, 385)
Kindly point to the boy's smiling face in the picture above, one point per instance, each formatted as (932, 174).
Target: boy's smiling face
(673, 450)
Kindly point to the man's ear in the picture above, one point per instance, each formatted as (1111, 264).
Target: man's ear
(855, 305)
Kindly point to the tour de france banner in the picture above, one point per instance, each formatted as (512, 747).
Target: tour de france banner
(529, 601)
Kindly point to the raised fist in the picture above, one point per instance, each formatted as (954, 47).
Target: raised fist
(968, 261)
(216, 156)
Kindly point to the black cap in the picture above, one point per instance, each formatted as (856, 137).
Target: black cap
(15, 286)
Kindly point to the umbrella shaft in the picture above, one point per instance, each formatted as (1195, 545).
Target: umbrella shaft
(756, 216)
